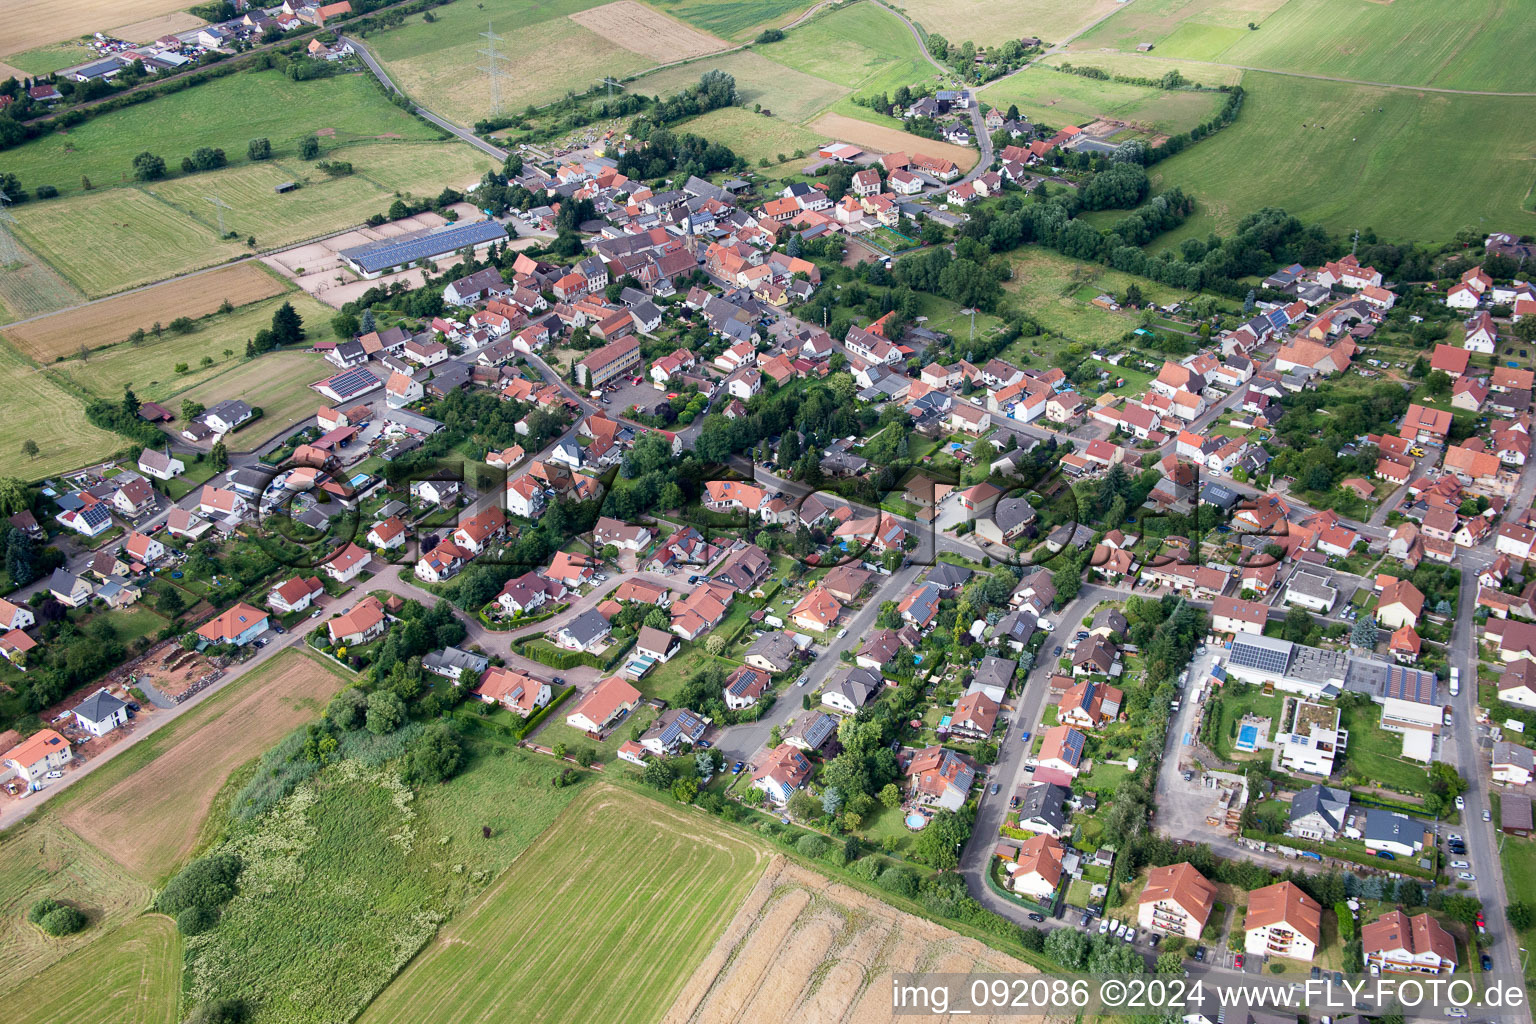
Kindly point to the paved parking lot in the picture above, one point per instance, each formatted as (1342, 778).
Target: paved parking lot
(621, 394)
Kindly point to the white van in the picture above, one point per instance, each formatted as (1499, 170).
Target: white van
(1455, 682)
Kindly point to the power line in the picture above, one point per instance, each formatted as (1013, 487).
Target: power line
(492, 67)
(10, 252)
(222, 205)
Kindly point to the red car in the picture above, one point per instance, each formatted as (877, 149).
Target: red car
(1237, 962)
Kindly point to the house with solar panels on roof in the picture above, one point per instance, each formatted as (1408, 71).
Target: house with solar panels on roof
(377, 258)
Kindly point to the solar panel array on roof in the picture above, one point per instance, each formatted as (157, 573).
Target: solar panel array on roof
(1261, 652)
(1409, 684)
(350, 382)
(397, 252)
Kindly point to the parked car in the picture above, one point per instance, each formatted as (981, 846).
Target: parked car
(1238, 961)
(1057, 652)
(842, 632)
(995, 789)
(1036, 917)
(736, 768)
(1487, 815)
(1460, 864)
(1200, 953)
(1487, 962)
(1466, 876)
(54, 775)
(1104, 926)
(1461, 802)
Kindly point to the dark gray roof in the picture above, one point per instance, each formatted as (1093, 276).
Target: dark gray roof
(1324, 800)
(777, 647)
(453, 660)
(586, 627)
(857, 684)
(995, 671)
(99, 707)
(1044, 801)
(1017, 626)
(395, 252)
(948, 576)
(1112, 619)
(1394, 826)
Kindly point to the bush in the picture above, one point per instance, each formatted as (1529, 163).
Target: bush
(812, 846)
(206, 882)
(196, 920)
(62, 921)
(55, 918)
(899, 881)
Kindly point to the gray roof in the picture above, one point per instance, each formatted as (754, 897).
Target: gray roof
(1393, 826)
(231, 410)
(453, 660)
(1044, 801)
(99, 706)
(778, 648)
(1511, 753)
(1112, 619)
(948, 576)
(395, 252)
(1330, 803)
(62, 581)
(586, 627)
(1017, 626)
(1313, 584)
(995, 671)
(1010, 513)
(813, 727)
(857, 684)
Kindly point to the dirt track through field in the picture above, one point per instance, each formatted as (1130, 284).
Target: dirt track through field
(647, 32)
(880, 139)
(806, 949)
(149, 819)
(111, 320)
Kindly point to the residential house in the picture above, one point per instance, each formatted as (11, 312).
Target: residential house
(744, 687)
(237, 626)
(1283, 920)
(585, 632)
(850, 689)
(361, 623)
(100, 713)
(1399, 944)
(1177, 900)
(295, 595)
(1062, 749)
(940, 777)
(783, 770)
(603, 707)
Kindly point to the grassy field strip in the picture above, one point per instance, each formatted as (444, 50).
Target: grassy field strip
(1369, 150)
(42, 411)
(640, 931)
(110, 321)
(1460, 45)
(738, 20)
(131, 974)
(34, 23)
(146, 807)
(45, 859)
(28, 285)
(985, 22)
(647, 31)
(1058, 98)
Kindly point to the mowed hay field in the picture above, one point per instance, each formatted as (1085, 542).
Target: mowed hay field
(45, 859)
(101, 240)
(753, 136)
(146, 808)
(1146, 65)
(110, 321)
(546, 55)
(278, 383)
(985, 22)
(225, 113)
(29, 286)
(862, 47)
(113, 239)
(38, 409)
(647, 32)
(1372, 158)
(791, 95)
(891, 140)
(1453, 44)
(807, 949)
(150, 366)
(1059, 98)
(32, 23)
(131, 974)
(601, 919)
(738, 20)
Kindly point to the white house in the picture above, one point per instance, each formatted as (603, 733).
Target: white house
(160, 465)
(1283, 921)
(100, 713)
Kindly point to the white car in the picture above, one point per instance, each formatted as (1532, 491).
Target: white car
(1453, 838)
(1487, 815)
(1461, 803)
(1104, 926)
(54, 775)
(1455, 1011)
(1466, 876)
(842, 632)
(1460, 864)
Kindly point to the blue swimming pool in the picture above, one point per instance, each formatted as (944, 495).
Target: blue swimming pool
(1248, 737)
(944, 722)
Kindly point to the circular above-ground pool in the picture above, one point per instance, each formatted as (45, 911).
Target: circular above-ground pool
(916, 821)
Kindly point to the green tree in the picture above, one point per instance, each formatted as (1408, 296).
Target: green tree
(309, 148)
(259, 149)
(1364, 633)
(218, 457)
(347, 708)
(386, 712)
(148, 167)
(890, 795)
(436, 756)
(1170, 962)
(29, 448)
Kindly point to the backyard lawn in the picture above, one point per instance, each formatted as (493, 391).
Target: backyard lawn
(1375, 756)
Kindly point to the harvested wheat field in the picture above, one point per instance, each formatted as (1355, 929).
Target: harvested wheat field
(807, 949)
(146, 808)
(112, 320)
(891, 140)
(648, 32)
(33, 23)
(153, 28)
